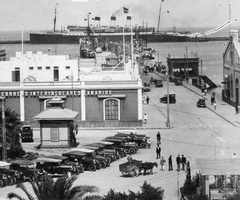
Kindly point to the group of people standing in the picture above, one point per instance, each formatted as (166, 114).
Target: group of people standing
(180, 161)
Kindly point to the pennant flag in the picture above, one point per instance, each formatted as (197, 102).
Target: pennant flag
(97, 18)
(129, 17)
(125, 10)
(113, 18)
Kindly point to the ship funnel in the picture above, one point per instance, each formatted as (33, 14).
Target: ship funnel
(113, 21)
(129, 18)
(234, 34)
(97, 21)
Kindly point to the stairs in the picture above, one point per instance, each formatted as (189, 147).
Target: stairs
(207, 81)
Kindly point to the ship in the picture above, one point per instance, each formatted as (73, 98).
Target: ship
(73, 33)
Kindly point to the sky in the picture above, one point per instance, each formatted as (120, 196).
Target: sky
(34, 15)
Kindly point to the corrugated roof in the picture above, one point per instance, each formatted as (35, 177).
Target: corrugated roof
(56, 114)
(219, 166)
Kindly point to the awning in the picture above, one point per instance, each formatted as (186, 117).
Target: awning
(118, 96)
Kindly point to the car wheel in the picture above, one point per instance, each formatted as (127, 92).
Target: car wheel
(131, 151)
(77, 171)
(92, 167)
(103, 164)
(14, 180)
(1, 184)
(121, 154)
(10, 181)
(143, 145)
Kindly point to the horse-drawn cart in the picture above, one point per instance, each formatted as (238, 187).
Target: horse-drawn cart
(130, 168)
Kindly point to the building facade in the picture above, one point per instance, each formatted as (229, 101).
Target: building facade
(231, 70)
(102, 98)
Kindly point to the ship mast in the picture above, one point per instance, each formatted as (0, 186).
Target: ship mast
(55, 18)
(159, 14)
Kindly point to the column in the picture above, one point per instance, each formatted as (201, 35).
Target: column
(140, 100)
(83, 102)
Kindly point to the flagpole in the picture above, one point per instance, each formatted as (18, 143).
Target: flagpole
(124, 53)
(133, 67)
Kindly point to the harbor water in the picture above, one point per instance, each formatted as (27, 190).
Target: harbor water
(210, 53)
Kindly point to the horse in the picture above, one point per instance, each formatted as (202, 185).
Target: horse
(148, 167)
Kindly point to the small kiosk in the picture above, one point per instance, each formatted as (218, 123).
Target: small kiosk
(56, 125)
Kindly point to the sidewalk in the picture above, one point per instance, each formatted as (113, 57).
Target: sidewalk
(224, 110)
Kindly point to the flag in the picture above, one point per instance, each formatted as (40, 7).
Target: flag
(129, 17)
(125, 10)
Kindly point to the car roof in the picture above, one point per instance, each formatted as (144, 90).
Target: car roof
(22, 162)
(74, 153)
(85, 150)
(50, 160)
(3, 164)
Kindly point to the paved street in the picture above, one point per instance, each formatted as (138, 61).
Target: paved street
(194, 132)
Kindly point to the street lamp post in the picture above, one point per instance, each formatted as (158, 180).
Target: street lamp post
(4, 148)
(168, 118)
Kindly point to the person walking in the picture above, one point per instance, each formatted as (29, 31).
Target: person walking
(178, 160)
(236, 109)
(147, 99)
(215, 105)
(170, 168)
(158, 151)
(145, 118)
(183, 161)
(162, 163)
(158, 138)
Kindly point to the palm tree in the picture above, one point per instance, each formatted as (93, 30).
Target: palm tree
(61, 188)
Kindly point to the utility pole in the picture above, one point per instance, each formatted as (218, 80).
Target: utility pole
(178, 184)
(4, 149)
(168, 120)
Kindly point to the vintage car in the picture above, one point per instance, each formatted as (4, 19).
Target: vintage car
(27, 133)
(140, 139)
(88, 163)
(109, 154)
(4, 180)
(28, 170)
(130, 147)
(110, 146)
(158, 83)
(201, 103)
(92, 154)
(15, 175)
(172, 98)
(146, 87)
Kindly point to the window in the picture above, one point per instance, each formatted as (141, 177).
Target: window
(54, 134)
(47, 67)
(111, 109)
(30, 68)
(67, 67)
(39, 68)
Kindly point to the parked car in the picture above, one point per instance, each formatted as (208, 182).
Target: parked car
(89, 163)
(28, 170)
(92, 154)
(4, 180)
(201, 103)
(15, 175)
(27, 133)
(158, 83)
(146, 87)
(178, 81)
(54, 167)
(172, 98)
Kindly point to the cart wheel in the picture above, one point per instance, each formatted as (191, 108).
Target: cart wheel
(134, 171)
(143, 145)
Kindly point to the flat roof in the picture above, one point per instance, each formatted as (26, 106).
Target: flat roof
(219, 166)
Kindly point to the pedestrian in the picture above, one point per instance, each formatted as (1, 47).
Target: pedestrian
(170, 168)
(147, 99)
(149, 142)
(212, 100)
(162, 163)
(158, 138)
(178, 160)
(129, 158)
(236, 109)
(215, 105)
(183, 161)
(145, 118)
(158, 151)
